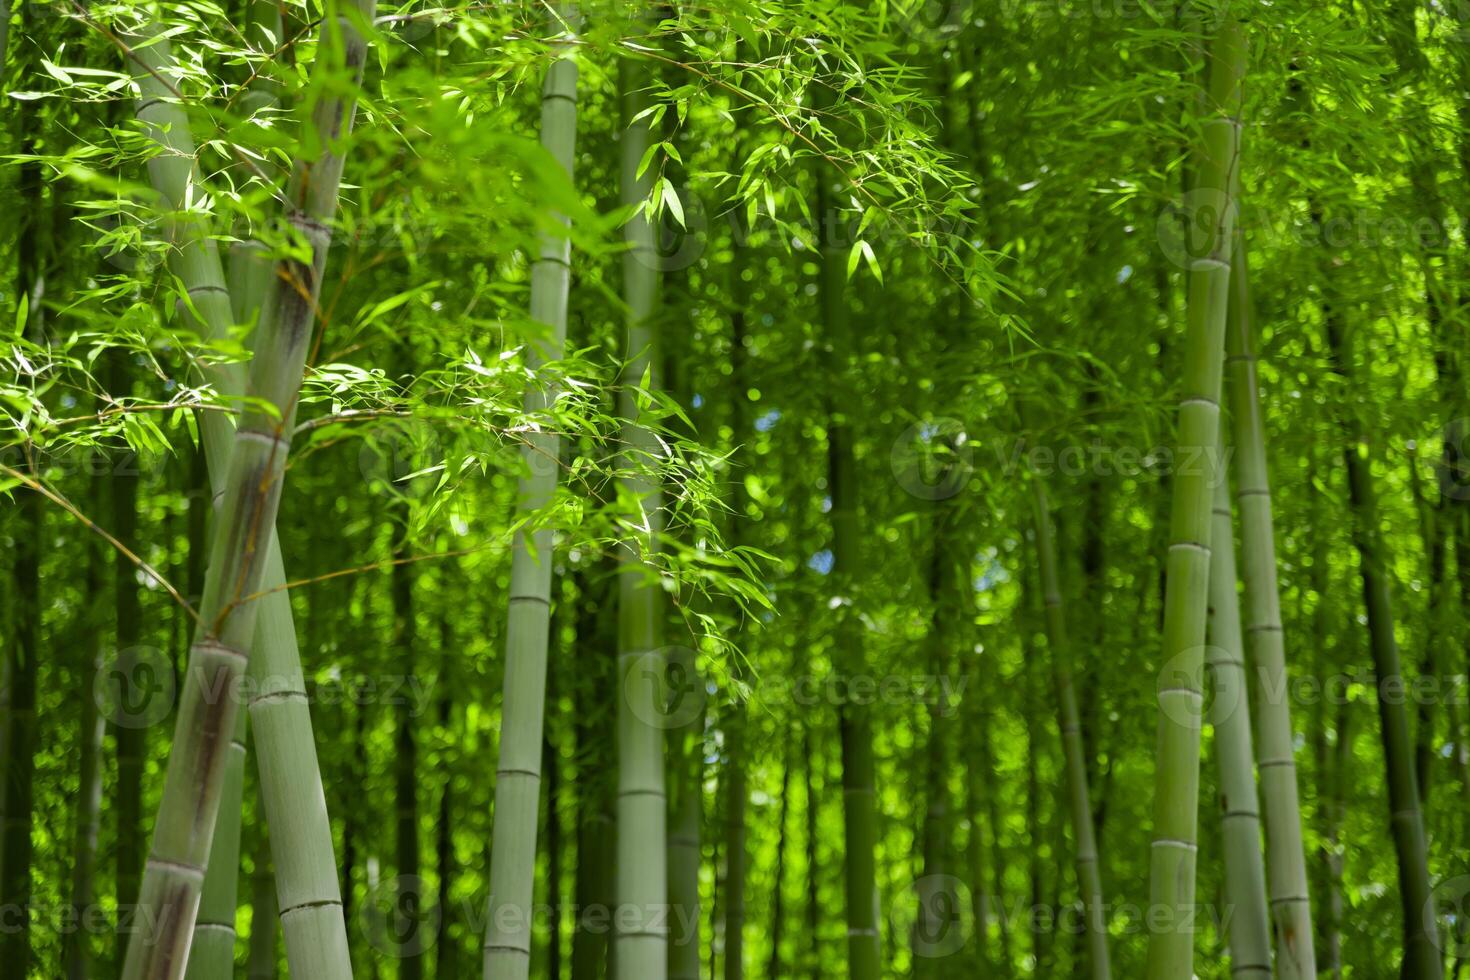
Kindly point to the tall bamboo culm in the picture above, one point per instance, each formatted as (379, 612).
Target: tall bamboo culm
(183, 832)
(1230, 714)
(507, 953)
(1286, 863)
(640, 944)
(1089, 876)
(316, 935)
(1180, 687)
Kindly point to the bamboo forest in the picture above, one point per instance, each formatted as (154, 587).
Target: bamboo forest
(773, 489)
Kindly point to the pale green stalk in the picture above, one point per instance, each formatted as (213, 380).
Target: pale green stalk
(1240, 818)
(1176, 789)
(243, 544)
(1089, 877)
(640, 940)
(518, 776)
(1286, 862)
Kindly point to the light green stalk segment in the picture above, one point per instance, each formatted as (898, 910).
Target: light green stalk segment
(1240, 819)
(1286, 862)
(1176, 789)
(640, 943)
(212, 954)
(507, 953)
(1089, 877)
(243, 546)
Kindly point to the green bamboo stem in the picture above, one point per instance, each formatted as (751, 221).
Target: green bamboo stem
(1176, 790)
(736, 796)
(507, 952)
(686, 798)
(316, 935)
(76, 947)
(1406, 818)
(243, 545)
(859, 803)
(1286, 864)
(1240, 819)
(261, 964)
(640, 942)
(1074, 752)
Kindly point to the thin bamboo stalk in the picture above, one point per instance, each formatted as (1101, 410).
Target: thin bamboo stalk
(1176, 790)
(241, 553)
(507, 952)
(1240, 818)
(1074, 752)
(1286, 864)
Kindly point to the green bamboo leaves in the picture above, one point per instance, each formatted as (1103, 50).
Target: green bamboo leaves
(1176, 789)
(507, 953)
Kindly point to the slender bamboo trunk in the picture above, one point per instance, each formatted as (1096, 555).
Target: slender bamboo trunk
(1286, 879)
(212, 952)
(859, 804)
(262, 962)
(736, 797)
(640, 941)
(76, 944)
(1176, 790)
(129, 733)
(595, 822)
(813, 951)
(935, 926)
(411, 898)
(777, 931)
(446, 959)
(507, 952)
(1245, 868)
(687, 814)
(256, 461)
(1074, 753)
(27, 526)
(552, 767)
(1421, 942)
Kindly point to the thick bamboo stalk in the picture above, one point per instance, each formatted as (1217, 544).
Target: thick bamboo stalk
(507, 953)
(1240, 818)
(640, 942)
(1074, 752)
(1176, 789)
(1286, 864)
(243, 548)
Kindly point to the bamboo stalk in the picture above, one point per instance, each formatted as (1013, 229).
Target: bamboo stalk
(640, 943)
(1074, 752)
(1286, 864)
(1240, 819)
(1176, 790)
(243, 548)
(507, 952)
